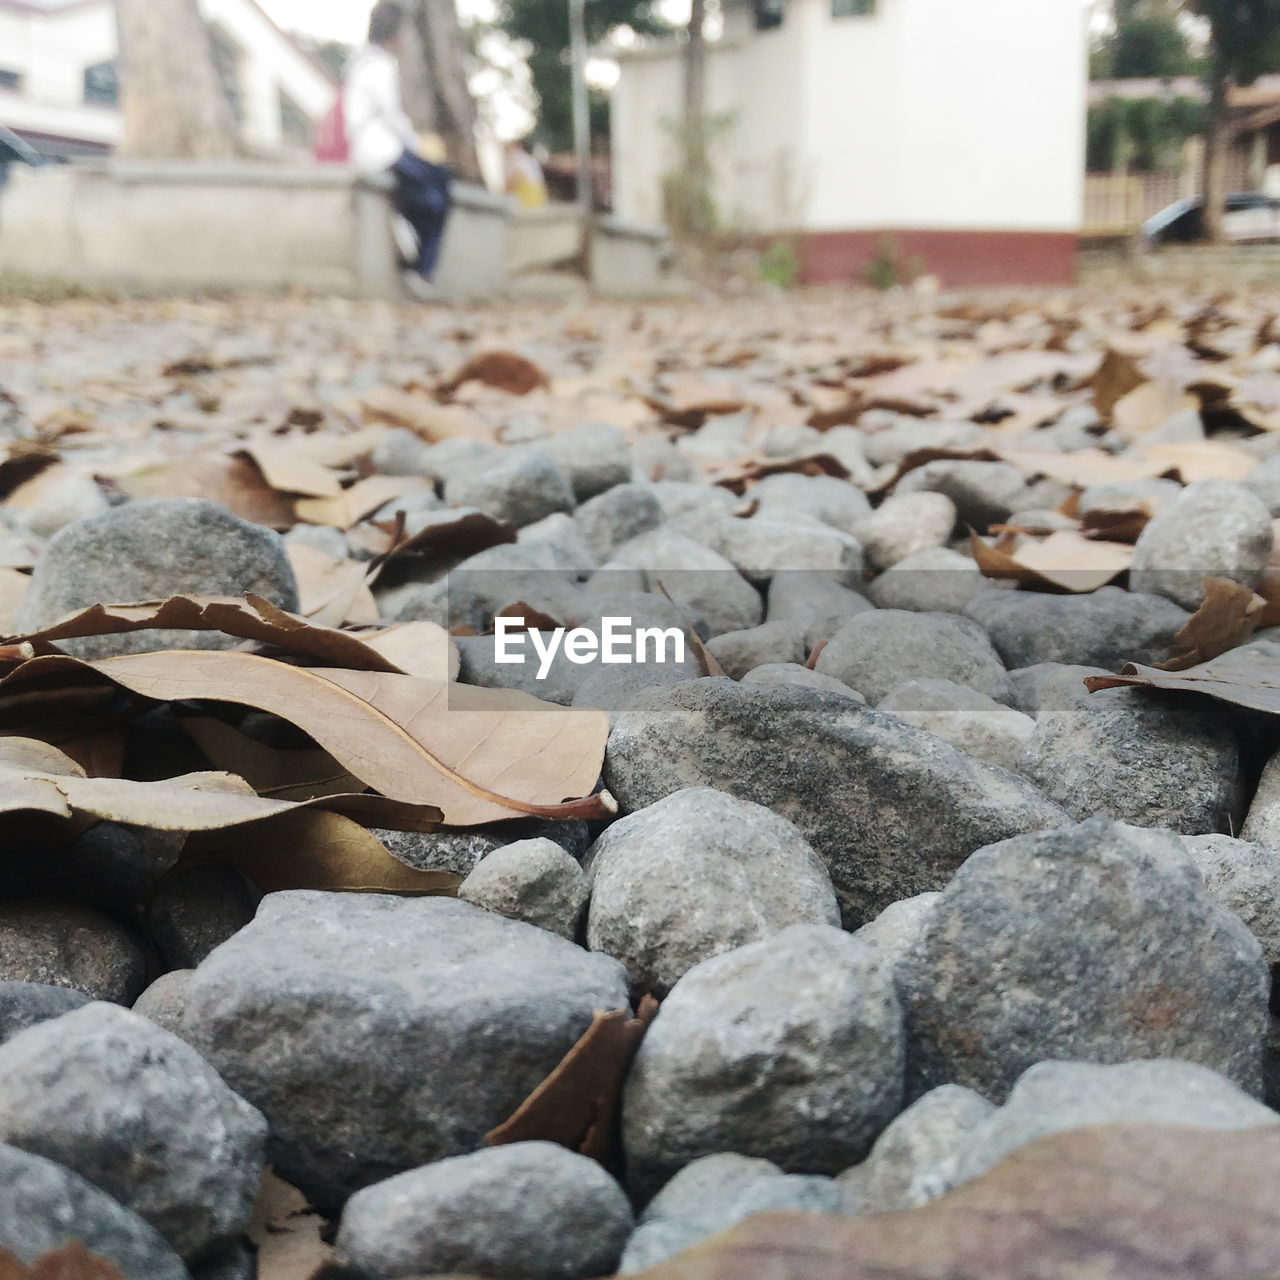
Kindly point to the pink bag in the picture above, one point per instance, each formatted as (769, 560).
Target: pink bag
(331, 145)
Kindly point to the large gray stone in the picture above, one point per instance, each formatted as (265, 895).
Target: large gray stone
(1105, 628)
(197, 908)
(531, 880)
(835, 502)
(768, 544)
(963, 717)
(378, 1034)
(696, 874)
(894, 931)
(595, 457)
(1153, 760)
(1053, 1097)
(148, 551)
(914, 1159)
(1099, 942)
(616, 516)
(44, 1206)
(891, 810)
(904, 524)
(1262, 822)
(139, 1113)
(876, 652)
(789, 1049)
(775, 673)
(984, 493)
(807, 597)
(528, 1211)
(521, 484)
(1215, 529)
(738, 652)
(900, 435)
(937, 580)
(1244, 878)
(65, 945)
(23, 1004)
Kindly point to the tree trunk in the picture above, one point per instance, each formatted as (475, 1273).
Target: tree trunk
(696, 212)
(1217, 141)
(173, 105)
(433, 74)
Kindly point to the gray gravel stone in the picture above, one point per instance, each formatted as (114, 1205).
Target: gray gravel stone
(892, 811)
(140, 1114)
(894, 931)
(696, 874)
(1155, 761)
(1115, 950)
(775, 673)
(913, 1161)
(529, 1211)
(1049, 684)
(766, 545)
(1053, 1097)
(23, 1004)
(401, 453)
(904, 524)
(459, 851)
(44, 1206)
(65, 945)
(835, 502)
(378, 1034)
(937, 580)
(1262, 823)
(616, 516)
(458, 456)
(889, 446)
(789, 1049)
(1264, 483)
(807, 597)
(561, 532)
(963, 717)
(1244, 878)
(876, 652)
(531, 880)
(772, 642)
(1105, 628)
(148, 551)
(165, 1000)
(655, 458)
(1215, 529)
(520, 484)
(76, 497)
(1128, 495)
(595, 457)
(695, 577)
(984, 493)
(197, 908)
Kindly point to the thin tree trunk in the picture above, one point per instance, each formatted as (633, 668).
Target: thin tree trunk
(697, 166)
(172, 102)
(1217, 140)
(433, 73)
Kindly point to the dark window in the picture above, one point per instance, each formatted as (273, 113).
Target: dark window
(226, 63)
(295, 124)
(10, 79)
(769, 14)
(852, 8)
(102, 84)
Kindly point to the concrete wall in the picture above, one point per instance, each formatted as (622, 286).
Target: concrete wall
(176, 226)
(939, 115)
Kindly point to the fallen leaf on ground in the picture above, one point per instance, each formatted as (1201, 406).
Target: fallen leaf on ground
(288, 470)
(1064, 561)
(350, 506)
(577, 1104)
(331, 591)
(1245, 677)
(433, 422)
(1142, 1203)
(233, 482)
(1149, 406)
(502, 370)
(453, 533)
(1201, 460)
(68, 1262)
(1227, 617)
(287, 1233)
(479, 755)
(1117, 376)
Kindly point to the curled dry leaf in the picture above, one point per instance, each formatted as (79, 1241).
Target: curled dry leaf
(744, 474)
(1117, 376)
(1245, 677)
(287, 1232)
(68, 1262)
(234, 482)
(454, 533)
(433, 422)
(1064, 561)
(479, 755)
(502, 370)
(577, 1104)
(1226, 618)
(1142, 1203)
(425, 647)
(331, 591)
(349, 506)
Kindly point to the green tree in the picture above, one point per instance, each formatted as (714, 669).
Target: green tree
(1244, 43)
(1148, 39)
(543, 26)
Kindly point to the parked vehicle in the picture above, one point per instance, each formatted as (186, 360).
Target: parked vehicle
(1251, 216)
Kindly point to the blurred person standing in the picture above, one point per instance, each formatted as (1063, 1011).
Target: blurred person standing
(526, 183)
(381, 139)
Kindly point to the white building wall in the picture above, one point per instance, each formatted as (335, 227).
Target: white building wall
(930, 115)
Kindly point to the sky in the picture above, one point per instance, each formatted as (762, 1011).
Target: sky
(340, 19)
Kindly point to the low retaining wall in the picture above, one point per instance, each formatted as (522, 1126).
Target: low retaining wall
(157, 227)
(627, 260)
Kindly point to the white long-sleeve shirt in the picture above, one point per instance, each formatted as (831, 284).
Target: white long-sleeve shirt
(378, 131)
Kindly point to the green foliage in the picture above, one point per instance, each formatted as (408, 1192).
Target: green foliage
(543, 26)
(1246, 35)
(887, 268)
(779, 265)
(1148, 40)
(1142, 133)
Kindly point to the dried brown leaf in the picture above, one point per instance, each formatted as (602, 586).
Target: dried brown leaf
(577, 1104)
(502, 370)
(352, 505)
(287, 1233)
(1117, 376)
(1227, 617)
(1064, 561)
(232, 482)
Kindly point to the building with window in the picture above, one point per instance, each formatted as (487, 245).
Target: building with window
(60, 87)
(946, 135)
